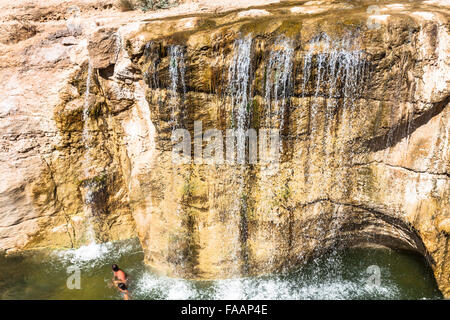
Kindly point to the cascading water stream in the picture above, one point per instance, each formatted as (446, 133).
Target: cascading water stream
(278, 86)
(239, 87)
(86, 162)
(341, 69)
(177, 92)
(340, 77)
(86, 133)
(239, 84)
(337, 71)
(278, 90)
(177, 70)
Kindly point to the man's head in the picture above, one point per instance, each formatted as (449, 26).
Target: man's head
(115, 267)
(122, 286)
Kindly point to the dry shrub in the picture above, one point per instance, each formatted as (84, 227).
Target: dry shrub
(125, 5)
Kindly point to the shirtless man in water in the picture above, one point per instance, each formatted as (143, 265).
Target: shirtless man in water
(120, 280)
(119, 275)
(124, 291)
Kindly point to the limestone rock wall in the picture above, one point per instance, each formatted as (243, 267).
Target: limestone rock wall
(364, 120)
(362, 110)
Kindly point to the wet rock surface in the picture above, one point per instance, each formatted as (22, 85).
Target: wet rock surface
(361, 105)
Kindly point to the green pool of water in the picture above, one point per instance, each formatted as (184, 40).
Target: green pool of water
(339, 275)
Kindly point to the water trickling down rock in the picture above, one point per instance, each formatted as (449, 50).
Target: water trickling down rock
(364, 117)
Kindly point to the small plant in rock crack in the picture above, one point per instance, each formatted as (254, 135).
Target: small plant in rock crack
(125, 5)
(146, 5)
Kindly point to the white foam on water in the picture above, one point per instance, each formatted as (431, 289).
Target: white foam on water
(85, 254)
(93, 254)
(263, 289)
(166, 288)
(229, 289)
(329, 279)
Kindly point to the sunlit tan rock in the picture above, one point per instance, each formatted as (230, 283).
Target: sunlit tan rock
(365, 166)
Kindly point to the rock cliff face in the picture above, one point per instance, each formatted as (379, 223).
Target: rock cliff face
(360, 101)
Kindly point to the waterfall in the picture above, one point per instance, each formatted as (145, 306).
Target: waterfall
(86, 162)
(335, 70)
(177, 70)
(153, 58)
(337, 221)
(278, 85)
(86, 133)
(278, 88)
(341, 74)
(239, 88)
